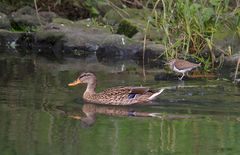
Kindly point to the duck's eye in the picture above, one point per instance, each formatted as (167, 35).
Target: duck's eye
(84, 75)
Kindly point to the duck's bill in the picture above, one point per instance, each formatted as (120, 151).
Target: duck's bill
(76, 82)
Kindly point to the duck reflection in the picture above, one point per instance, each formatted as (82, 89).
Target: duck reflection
(90, 111)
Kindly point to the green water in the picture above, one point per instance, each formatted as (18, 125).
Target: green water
(38, 112)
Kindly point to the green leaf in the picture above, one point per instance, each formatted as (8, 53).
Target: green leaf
(215, 2)
(195, 8)
(94, 11)
(207, 13)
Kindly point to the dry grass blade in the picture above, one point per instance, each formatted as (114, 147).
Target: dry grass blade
(145, 40)
(36, 8)
(236, 71)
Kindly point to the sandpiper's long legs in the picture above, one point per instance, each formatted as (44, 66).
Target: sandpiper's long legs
(182, 76)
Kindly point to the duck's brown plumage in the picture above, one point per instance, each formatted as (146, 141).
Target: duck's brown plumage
(116, 95)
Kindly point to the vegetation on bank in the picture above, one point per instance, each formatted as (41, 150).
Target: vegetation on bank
(190, 28)
(187, 28)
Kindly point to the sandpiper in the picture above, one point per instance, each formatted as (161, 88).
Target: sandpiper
(182, 66)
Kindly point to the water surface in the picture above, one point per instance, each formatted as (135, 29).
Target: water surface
(39, 114)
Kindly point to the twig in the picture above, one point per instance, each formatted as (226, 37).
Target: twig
(236, 71)
(145, 40)
(36, 8)
(117, 9)
(135, 3)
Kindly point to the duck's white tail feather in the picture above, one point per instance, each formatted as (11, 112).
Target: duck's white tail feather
(157, 115)
(156, 94)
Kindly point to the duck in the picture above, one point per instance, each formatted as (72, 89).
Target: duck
(121, 95)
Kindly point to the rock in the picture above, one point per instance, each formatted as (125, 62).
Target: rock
(131, 21)
(75, 38)
(117, 51)
(84, 24)
(47, 16)
(5, 8)
(63, 22)
(65, 37)
(158, 48)
(152, 52)
(237, 82)
(8, 38)
(104, 6)
(42, 43)
(138, 36)
(4, 21)
(76, 35)
(27, 17)
(114, 52)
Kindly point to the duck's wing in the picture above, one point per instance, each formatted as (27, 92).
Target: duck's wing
(116, 91)
(123, 96)
(139, 90)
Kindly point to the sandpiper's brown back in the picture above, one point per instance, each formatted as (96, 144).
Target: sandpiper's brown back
(183, 64)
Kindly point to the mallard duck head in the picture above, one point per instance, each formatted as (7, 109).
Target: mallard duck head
(88, 78)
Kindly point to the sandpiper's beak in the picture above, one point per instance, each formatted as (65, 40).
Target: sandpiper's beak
(74, 83)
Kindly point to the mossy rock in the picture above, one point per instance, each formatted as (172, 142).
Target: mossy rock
(132, 27)
(83, 24)
(127, 28)
(63, 21)
(131, 21)
(24, 17)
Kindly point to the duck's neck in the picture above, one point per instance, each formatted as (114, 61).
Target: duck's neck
(90, 89)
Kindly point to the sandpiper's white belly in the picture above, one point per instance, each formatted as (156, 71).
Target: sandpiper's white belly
(181, 71)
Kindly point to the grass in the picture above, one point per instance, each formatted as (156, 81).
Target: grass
(189, 27)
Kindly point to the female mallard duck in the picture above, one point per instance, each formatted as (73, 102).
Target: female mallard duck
(114, 96)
